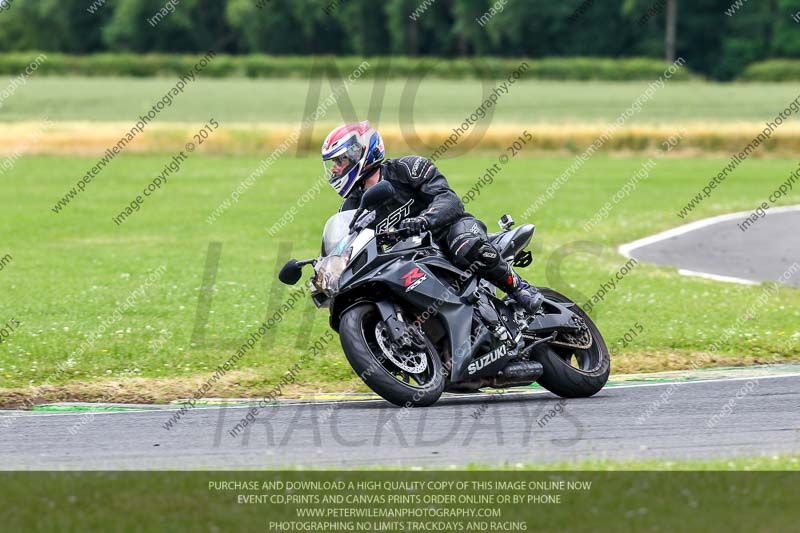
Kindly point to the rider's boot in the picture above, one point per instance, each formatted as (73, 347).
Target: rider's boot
(522, 292)
(527, 296)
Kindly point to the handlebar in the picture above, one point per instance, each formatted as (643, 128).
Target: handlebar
(392, 234)
(397, 235)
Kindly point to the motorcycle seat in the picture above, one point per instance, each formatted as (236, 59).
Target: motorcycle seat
(512, 241)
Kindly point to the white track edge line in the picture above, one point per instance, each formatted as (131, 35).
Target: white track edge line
(627, 248)
(483, 395)
(717, 277)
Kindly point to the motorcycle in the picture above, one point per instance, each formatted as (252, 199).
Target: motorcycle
(412, 325)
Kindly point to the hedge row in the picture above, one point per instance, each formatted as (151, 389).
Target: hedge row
(264, 66)
(772, 70)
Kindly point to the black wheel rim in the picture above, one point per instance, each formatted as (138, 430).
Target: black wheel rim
(422, 380)
(586, 361)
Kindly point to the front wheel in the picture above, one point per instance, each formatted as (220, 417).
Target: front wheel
(407, 376)
(573, 372)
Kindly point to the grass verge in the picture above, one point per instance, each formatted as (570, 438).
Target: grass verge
(72, 272)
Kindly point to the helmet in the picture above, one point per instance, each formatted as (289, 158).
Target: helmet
(350, 153)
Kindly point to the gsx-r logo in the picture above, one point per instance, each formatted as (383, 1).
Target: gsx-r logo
(413, 278)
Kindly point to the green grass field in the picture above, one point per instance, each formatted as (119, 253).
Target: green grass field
(71, 271)
(436, 101)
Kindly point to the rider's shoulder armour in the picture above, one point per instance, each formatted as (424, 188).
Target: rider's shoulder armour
(412, 168)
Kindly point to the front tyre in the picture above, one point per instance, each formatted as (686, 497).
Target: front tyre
(571, 372)
(404, 376)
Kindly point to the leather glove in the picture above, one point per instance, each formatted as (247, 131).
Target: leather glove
(413, 226)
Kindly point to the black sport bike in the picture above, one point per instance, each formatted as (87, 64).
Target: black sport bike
(413, 325)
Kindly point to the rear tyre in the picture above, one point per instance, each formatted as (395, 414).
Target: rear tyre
(359, 330)
(571, 372)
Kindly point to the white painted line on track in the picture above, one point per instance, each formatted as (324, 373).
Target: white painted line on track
(628, 248)
(364, 402)
(717, 277)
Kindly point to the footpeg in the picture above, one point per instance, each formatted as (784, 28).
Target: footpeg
(522, 259)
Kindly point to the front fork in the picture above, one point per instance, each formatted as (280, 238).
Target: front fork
(393, 318)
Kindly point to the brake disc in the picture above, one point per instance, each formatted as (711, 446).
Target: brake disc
(404, 358)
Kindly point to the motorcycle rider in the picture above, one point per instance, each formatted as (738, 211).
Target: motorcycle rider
(353, 158)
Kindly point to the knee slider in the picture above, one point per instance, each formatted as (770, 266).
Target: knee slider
(463, 249)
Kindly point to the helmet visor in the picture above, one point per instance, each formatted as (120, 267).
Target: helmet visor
(337, 167)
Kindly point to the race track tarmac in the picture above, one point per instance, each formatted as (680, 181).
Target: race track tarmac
(730, 417)
(718, 246)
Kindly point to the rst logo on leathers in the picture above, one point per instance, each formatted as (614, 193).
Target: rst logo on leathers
(488, 359)
(395, 217)
(413, 278)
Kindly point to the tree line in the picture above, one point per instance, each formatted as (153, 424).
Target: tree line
(718, 38)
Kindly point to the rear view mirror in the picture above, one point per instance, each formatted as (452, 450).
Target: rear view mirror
(291, 272)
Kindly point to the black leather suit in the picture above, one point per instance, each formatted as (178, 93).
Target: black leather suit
(421, 190)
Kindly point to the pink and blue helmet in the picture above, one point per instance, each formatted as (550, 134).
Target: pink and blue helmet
(358, 145)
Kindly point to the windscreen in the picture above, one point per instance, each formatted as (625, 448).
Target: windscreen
(336, 231)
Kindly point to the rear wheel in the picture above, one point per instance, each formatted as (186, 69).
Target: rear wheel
(407, 375)
(573, 372)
